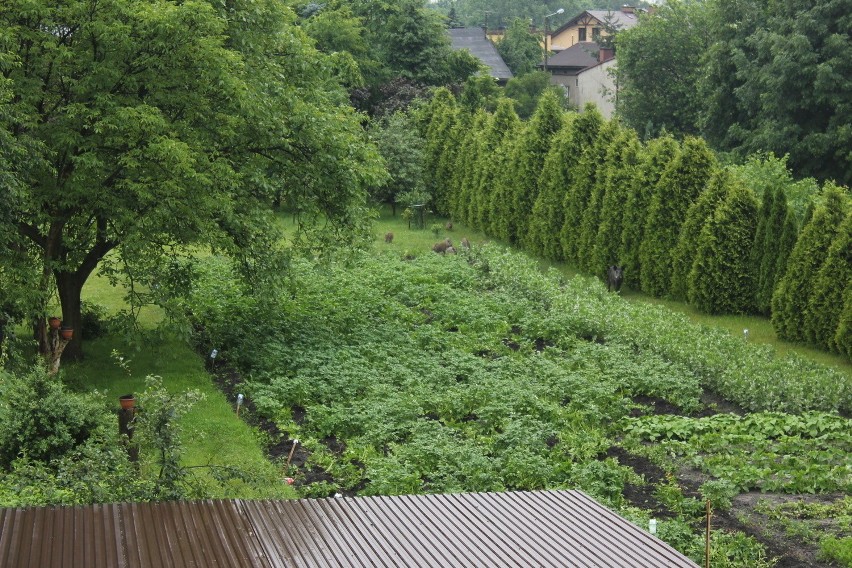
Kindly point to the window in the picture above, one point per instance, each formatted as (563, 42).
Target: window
(582, 32)
(596, 34)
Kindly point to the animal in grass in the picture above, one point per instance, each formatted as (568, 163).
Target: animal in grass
(441, 247)
(450, 250)
(465, 243)
(449, 226)
(388, 238)
(614, 278)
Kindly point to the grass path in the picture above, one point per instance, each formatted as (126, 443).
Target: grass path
(213, 434)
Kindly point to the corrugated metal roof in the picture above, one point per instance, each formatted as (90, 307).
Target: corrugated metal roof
(474, 40)
(543, 528)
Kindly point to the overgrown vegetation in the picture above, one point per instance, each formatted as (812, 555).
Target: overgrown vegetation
(478, 372)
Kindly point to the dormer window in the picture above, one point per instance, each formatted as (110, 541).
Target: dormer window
(596, 34)
(582, 32)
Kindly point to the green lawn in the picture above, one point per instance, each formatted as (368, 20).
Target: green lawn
(213, 434)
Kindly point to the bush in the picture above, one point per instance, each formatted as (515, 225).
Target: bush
(41, 421)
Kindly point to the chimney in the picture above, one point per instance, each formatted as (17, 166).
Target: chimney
(605, 54)
(628, 9)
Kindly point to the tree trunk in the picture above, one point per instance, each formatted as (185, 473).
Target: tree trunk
(70, 286)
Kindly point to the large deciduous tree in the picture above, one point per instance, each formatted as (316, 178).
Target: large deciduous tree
(157, 123)
(519, 48)
(658, 68)
(779, 78)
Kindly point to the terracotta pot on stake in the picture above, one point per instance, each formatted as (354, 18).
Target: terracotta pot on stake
(127, 401)
(54, 322)
(67, 333)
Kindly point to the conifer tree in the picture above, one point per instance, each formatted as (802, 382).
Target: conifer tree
(504, 124)
(449, 161)
(791, 297)
(789, 237)
(679, 186)
(500, 209)
(843, 337)
(465, 171)
(532, 150)
(594, 174)
(655, 159)
(825, 306)
(777, 242)
(621, 163)
(580, 190)
(548, 215)
(701, 211)
(441, 114)
(722, 278)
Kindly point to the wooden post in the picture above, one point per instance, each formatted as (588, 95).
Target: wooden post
(125, 428)
(707, 538)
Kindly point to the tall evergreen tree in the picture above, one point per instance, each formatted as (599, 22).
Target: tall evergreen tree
(791, 297)
(578, 192)
(447, 165)
(843, 337)
(778, 240)
(500, 206)
(722, 278)
(679, 186)
(621, 163)
(436, 120)
(558, 178)
(466, 166)
(825, 305)
(534, 146)
(594, 172)
(654, 160)
(699, 213)
(503, 124)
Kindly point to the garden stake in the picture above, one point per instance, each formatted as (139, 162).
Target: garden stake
(707, 538)
(239, 404)
(292, 451)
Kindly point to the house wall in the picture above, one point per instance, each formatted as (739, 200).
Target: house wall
(571, 36)
(594, 85)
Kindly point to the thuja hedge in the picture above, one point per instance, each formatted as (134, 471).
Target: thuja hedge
(587, 191)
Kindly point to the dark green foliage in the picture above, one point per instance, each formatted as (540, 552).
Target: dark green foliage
(830, 285)
(654, 160)
(658, 68)
(532, 150)
(621, 163)
(402, 149)
(699, 213)
(774, 247)
(480, 92)
(592, 174)
(843, 337)
(722, 276)
(588, 130)
(41, 421)
(519, 48)
(779, 79)
(527, 90)
(492, 160)
(678, 187)
(791, 297)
